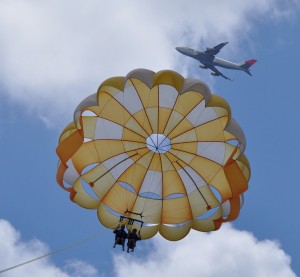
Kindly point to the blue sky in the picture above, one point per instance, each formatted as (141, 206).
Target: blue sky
(55, 54)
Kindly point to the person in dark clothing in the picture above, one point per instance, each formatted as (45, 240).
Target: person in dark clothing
(132, 238)
(120, 236)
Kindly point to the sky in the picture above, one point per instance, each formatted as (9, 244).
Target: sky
(55, 53)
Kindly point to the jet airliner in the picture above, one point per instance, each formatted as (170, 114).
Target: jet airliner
(209, 60)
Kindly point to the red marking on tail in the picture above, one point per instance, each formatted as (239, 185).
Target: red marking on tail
(250, 62)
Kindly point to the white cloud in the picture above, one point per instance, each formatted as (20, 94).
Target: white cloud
(227, 252)
(14, 251)
(80, 269)
(54, 53)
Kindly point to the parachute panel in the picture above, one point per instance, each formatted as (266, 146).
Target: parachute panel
(188, 102)
(107, 219)
(174, 233)
(147, 210)
(80, 197)
(176, 210)
(157, 152)
(211, 224)
(148, 232)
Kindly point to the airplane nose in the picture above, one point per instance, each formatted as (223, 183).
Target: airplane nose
(179, 49)
(187, 51)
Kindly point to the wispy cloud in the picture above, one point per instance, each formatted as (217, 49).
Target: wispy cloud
(53, 54)
(14, 250)
(227, 252)
(77, 268)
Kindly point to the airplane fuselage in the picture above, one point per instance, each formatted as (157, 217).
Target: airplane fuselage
(206, 59)
(226, 64)
(210, 61)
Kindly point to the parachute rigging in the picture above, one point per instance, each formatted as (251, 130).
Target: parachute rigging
(54, 252)
(156, 150)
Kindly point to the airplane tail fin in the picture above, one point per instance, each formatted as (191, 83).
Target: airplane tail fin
(246, 65)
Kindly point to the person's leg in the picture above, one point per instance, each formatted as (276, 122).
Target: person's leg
(130, 244)
(123, 242)
(133, 245)
(116, 239)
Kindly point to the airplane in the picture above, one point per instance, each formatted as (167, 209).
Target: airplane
(208, 59)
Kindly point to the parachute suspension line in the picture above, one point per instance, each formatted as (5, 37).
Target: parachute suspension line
(209, 143)
(127, 197)
(187, 133)
(110, 147)
(150, 182)
(146, 203)
(173, 118)
(160, 183)
(114, 167)
(208, 206)
(146, 117)
(170, 122)
(144, 109)
(127, 192)
(57, 250)
(91, 183)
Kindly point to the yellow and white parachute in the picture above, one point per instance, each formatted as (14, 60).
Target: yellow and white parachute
(155, 150)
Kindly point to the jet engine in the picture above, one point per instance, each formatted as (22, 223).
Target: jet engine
(203, 66)
(214, 74)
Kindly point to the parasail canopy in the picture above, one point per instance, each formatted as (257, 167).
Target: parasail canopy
(156, 151)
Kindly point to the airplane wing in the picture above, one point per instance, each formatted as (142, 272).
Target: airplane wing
(214, 50)
(216, 72)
